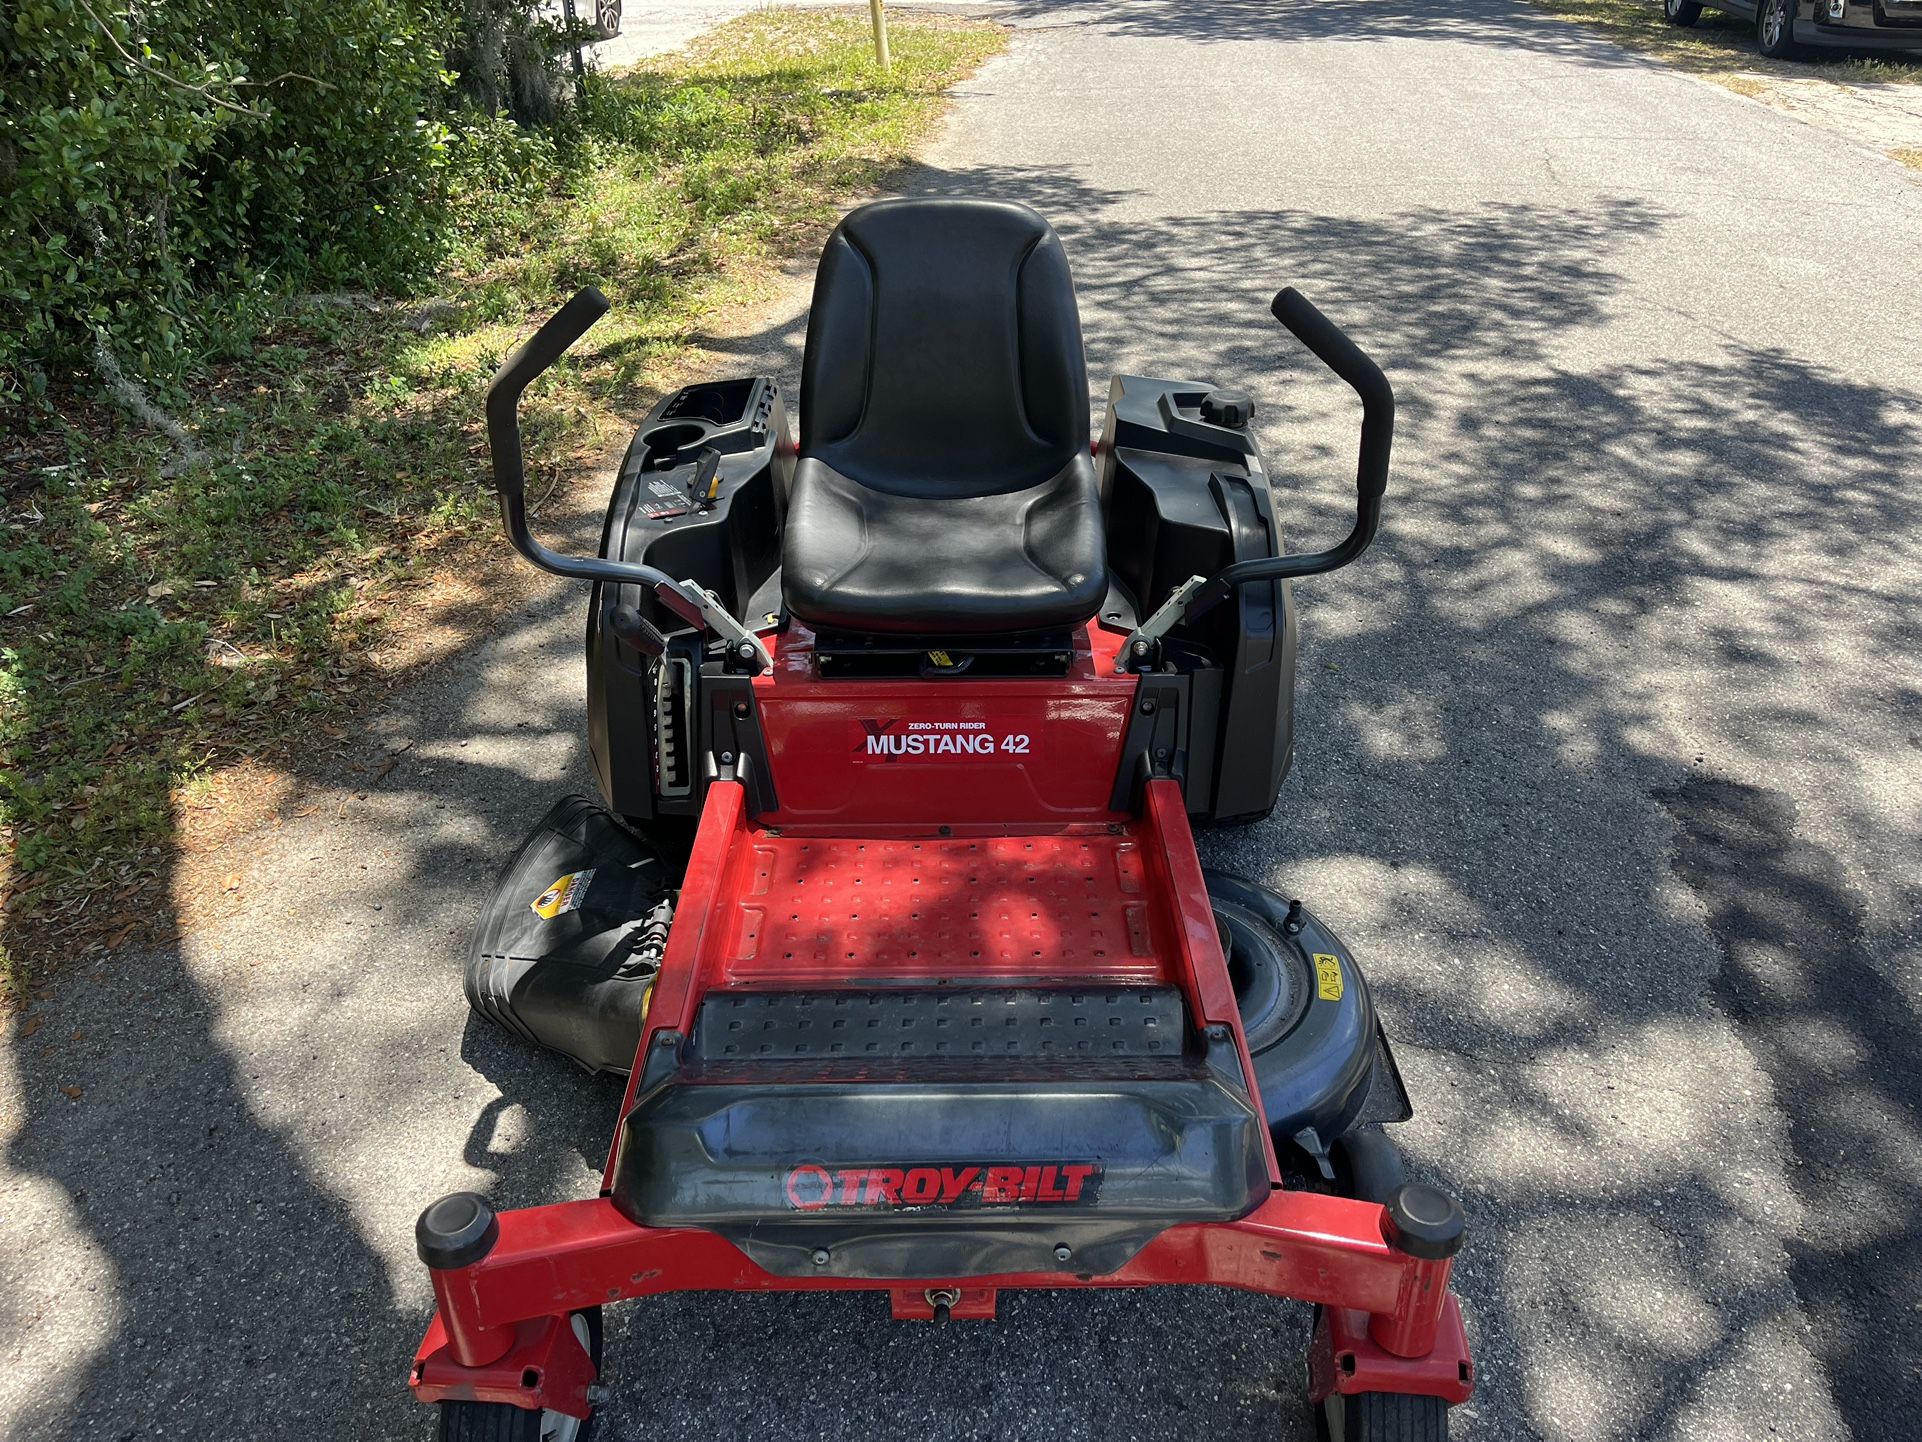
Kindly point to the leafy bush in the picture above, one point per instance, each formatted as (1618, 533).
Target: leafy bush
(163, 621)
(162, 163)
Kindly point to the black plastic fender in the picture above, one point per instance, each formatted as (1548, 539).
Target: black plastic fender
(1306, 1009)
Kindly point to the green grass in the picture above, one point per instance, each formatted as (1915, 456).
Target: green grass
(165, 620)
(1719, 46)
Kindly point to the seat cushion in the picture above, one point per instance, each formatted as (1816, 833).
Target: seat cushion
(944, 485)
(944, 350)
(866, 560)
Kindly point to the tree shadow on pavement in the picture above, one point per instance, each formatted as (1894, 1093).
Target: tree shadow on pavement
(1506, 24)
(1840, 1045)
(1486, 702)
(216, 1266)
(221, 1143)
(1571, 550)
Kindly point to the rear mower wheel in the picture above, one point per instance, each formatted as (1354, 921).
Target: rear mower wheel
(503, 1422)
(1381, 1417)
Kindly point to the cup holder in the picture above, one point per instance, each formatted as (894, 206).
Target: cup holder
(665, 443)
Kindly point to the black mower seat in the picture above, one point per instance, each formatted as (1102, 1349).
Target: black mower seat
(944, 485)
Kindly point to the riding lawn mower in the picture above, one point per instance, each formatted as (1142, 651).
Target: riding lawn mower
(890, 908)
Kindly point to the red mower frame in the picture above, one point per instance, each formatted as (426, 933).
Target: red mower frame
(939, 825)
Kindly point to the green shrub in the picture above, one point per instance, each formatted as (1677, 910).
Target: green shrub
(166, 620)
(506, 56)
(164, 166)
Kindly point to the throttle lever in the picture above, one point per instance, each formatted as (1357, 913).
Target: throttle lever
(706, 484)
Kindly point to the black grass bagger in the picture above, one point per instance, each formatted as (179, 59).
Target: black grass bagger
(891, 911)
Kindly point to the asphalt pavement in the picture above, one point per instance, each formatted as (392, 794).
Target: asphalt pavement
(648, 29)
(1609, 769)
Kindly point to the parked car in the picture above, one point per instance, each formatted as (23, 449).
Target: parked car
(1787, 28)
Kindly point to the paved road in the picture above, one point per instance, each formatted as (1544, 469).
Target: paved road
(1610, 767)
(648, 29)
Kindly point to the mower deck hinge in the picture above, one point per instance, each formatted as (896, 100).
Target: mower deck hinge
(741, 642)
(1140, 643)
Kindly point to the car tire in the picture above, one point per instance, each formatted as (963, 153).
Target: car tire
(607, 19)
(1681, 12)
(1775, 29)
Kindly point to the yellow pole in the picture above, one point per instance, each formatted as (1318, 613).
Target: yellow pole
(880, 14)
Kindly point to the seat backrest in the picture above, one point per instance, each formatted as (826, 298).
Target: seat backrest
(944, 350)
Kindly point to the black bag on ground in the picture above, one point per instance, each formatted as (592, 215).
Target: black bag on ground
(571, 939)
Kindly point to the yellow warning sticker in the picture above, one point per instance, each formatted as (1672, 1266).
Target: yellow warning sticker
(1327, 976)
(563, 896)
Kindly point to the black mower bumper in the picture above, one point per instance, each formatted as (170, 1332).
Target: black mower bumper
(960, 1133)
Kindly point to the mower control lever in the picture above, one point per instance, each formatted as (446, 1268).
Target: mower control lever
(1196, 596)
(695, 605)
(1165, 618)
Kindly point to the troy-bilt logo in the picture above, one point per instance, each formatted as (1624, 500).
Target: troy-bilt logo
(895, 739)
(813, 1188)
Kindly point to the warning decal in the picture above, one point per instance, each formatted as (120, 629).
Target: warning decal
(1327, 976)
(563, 896)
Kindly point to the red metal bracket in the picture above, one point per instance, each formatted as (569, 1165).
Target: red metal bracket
(1344, 1358)
(570, 1255)
(545, 1367)
(1171, 846)
(970, 1304)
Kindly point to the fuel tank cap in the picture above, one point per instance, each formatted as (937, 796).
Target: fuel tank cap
(1228, 408)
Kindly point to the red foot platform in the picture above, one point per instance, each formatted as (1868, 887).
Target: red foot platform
(1067, 907)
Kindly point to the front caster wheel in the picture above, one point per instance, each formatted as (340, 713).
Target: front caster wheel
(488, 1422)
(500, 1422)
(1381, 1417)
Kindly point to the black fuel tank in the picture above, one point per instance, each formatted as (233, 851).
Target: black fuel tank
(1185, 496)
(727, 538)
